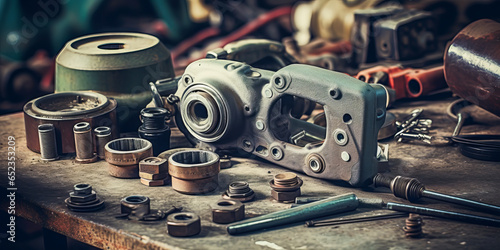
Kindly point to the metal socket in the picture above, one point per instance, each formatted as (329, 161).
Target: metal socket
(84, 143)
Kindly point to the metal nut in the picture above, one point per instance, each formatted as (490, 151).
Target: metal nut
(74, 197)
(183, 224)
(153, 176)
(288, 196)
(228, 211)
(137, 205)
(153, 165)
(82, 189)
(155, 183)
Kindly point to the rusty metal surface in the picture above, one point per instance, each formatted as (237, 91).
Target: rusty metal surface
(472, 64)
(440, 168)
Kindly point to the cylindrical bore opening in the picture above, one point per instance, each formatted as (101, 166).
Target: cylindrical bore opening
(136, 199)
(128, 144)
(44, 128)
(194, 157)
(414, 87)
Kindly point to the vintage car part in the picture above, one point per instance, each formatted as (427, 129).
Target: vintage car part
(329, 206)
(102, 137)
(391, 33)
(154, 171)
(118, 65)
(48, 145)
(408, 83)
(84, 143)
(259, 53)
(327, 19)
(183, 224)
(471, 64)
(194, 171)
(228, 211)
(137, 207)
(83, 199)
(250, 109)
(64, 110)
(285, 187)
(240, 191)
(123, 156)
(155, 129)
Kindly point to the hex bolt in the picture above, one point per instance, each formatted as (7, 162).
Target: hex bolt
(345, 156)
(259, 125)
(239, 190)
(285, 187)
(83, 143)
(411, 189)
(48, 144)
(102, 136)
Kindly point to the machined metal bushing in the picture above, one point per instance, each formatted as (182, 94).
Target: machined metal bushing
(194, 172)
(239, 190)
(102, 137)
(228, 211)
(84, 145)
(285, 187)
(48, 144)
(123, 156)
(183, 224)
(135, 205)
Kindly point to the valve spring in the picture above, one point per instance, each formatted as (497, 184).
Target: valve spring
(413, 226)
(407, 188)
(48, 144)
(239, 187)
(382, 181)
(154, 118)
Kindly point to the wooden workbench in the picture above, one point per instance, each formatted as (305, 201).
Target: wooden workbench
(43, 186)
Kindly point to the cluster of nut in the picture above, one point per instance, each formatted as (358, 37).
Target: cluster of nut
(154, 171)
(83, 199)
(285, 187)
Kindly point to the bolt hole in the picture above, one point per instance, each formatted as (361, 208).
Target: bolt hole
(347, 118)
(135, 199)
(362, 78)
(333, 92)
(247, 108)
(314, 164)
(340, 137)
(111, 46)
(183, 217)
(247, 144)
(380, 112)
(414, 87)
(276, 152)
(187, 79)
(277, 81)
(225, 203)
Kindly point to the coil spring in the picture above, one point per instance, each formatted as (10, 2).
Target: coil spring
(413, 226)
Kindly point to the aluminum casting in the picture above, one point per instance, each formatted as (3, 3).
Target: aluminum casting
(119, 65)
(244, 108)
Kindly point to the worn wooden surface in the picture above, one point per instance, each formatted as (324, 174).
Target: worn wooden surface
(42, 188)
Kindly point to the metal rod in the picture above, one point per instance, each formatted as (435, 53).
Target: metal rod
(337, 221)
(461, 201)
(329, 206)
(411, 189)
(443, 214)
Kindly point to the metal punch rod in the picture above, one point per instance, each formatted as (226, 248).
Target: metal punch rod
(443, 214)
(329, 206)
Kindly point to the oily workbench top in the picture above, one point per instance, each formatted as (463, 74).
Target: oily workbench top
(43, 186)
